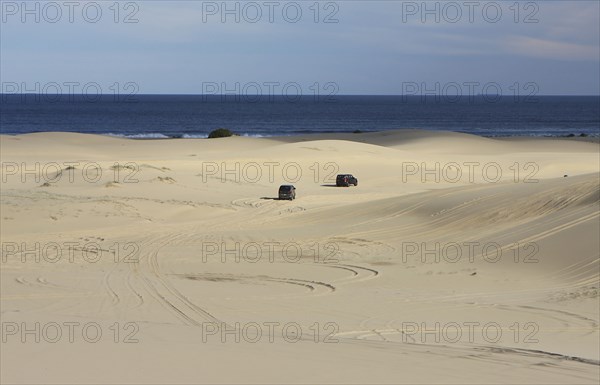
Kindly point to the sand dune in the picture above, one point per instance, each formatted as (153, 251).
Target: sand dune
(456, 259)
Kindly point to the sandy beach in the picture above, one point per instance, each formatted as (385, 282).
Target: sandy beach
(456, 259)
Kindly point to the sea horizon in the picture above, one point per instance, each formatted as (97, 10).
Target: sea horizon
(166, 116)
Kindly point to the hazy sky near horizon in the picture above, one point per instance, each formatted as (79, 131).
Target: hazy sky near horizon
(342, 47)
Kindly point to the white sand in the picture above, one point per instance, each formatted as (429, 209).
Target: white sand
(528, 269)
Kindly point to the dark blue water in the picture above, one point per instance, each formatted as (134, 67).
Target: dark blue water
(186, 116)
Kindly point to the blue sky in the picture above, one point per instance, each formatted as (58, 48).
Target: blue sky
(367, 47)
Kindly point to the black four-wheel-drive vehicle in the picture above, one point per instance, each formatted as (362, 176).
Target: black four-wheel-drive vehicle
(345, 180)
(287, 191)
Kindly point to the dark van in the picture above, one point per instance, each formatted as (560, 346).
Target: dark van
(287, 191)
(345, 180)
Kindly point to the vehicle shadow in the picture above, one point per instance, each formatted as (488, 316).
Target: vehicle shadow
(328, 185)
(270, 198)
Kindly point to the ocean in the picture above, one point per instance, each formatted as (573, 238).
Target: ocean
(194, 116)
